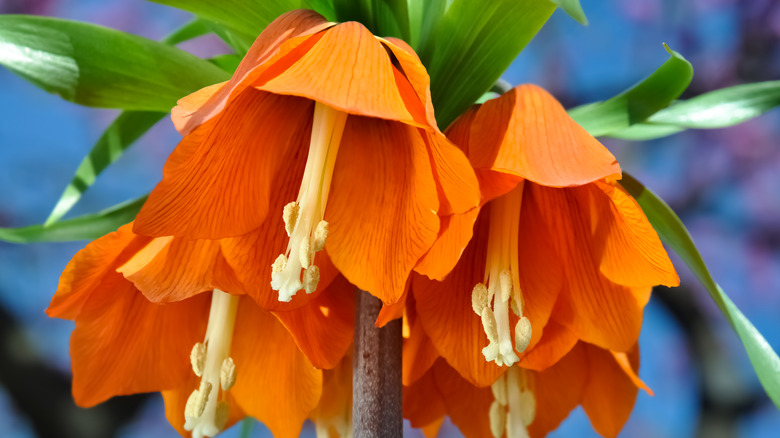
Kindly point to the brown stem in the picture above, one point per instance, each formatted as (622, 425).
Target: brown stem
(376, 373)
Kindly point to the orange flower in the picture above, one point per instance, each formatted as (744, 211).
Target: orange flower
(343, 119)
(529, 403)
(559, 242)
(151, 315)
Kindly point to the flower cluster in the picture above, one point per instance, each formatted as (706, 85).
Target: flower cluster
(518, 263)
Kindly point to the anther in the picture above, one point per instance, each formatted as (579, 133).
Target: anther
(304, 252)
(198, 358)
(290, 216)
(279, 264)
(527, 407)
(196, 403)
(190, 407)
(221, 415)
(227, 374)
(505, 285)
(522, 334)
(489, 324)
(479, 298)
(320, 235)
(515, 307)
(499, 391)
(311, 277)
(497, 419)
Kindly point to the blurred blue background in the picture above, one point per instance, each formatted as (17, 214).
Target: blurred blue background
(725, 184)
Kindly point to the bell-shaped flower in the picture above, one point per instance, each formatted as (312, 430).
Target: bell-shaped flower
(323, 144)
(560, 253)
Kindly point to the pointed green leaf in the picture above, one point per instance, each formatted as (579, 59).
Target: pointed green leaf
(573, 8)
(96, 66)
(87, 227)
(191, 30)
(123, 132)
(672, 231)
(716, 109)
(639, 102)
(473, 44)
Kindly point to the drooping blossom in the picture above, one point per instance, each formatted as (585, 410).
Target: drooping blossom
(170, 315)
(336, 123)
(560, 253)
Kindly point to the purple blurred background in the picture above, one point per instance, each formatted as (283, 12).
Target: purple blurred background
(725, 184)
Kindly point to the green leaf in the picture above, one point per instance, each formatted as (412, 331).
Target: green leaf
(87, 227)
(244, 20)
(191, 30)
(672, 231)
(472, 45)
(573, 8)
(124, 131)
(96, 66)
(716, 109)
(639, 102)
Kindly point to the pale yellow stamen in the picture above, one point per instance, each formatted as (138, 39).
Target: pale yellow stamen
(479, 298)
(320, 236)
(311, 277)
(522, 334)
(204, 413)
(501, 288)
(197, 358)
(303, 219)
(290, 216)
(497, 419)
(514, 407)
(227, 374)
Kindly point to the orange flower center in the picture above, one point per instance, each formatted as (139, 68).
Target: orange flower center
(205, 413)
(303, 219)
(492, 299)
(514, 407)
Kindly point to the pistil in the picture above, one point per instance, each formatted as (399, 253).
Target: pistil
(206, 412)
(492, 299)
(303, 218)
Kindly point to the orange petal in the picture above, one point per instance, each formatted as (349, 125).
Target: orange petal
(445, 310)
(455, 233)
(393, 311)
(323, 329)
(419, 353)
(276, 383)
(492, 184)
(526, 132)
(455, 179)
(467, 405)
(558, 391)
(334, 412)
(124, 344)
(422, 404)
(172, 269)
(347, 69)
(633, 254)
(414, 72)
(280, 37)
(89, 268)
(540, 267)
(382, 206)
(431, 430)
(176, 401)
(609, 395)
(629, 363)
(556, 342)
(182, 112)
(218, 181)
(595, 309)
